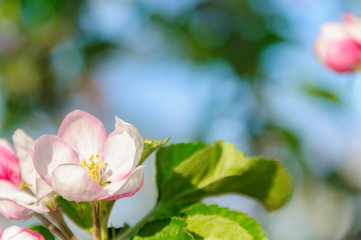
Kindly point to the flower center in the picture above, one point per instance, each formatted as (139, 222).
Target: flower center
(95, 169)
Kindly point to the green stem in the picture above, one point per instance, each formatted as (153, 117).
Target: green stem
(133, 230)
(105, 210)
(96, 221)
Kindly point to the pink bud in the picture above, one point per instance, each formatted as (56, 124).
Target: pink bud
(18, 233)
(337, 50)
(9, 164)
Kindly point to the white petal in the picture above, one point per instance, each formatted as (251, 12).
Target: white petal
(10, 192)
(133, 132)
(334, 31)
(124, 188)
(122, 150)
(10, 232)
(14, 211)
(118, 155)
(83, 132)
(24, 146)
(42, 189)
(72, 182)
(50, 152)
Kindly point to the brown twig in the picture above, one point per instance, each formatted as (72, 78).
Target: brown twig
(58, 218)
(54, 229)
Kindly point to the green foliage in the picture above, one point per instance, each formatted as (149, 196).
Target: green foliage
(168, 158)
(173, 209)
(43, 231)
(79, 213)
(219, 29)
(168, 228)
(252, 227)
(216, 227)
(190, 172)
(149, 147)
(204, 222)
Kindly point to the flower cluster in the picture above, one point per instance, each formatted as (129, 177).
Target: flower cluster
(82, 163)
(339, 45)
(82, 170)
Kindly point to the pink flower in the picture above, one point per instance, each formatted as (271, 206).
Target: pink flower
(337, 49)
(83, 163)
(18, 233)
(16, 202)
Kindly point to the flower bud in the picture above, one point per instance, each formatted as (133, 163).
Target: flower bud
(18, 233)
(337, 49)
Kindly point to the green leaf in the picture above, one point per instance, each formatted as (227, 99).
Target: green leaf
(190, 172)
(250, 225)
(114, 232)
(168, 158)
(170, 210)
(149, 147)
(215, 227)
(322, 93)
(79, 213)
(169, 228)
(43, 231)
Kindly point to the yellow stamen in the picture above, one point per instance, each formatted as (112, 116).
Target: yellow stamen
(100, 164)
(83, 162)
(94, 168)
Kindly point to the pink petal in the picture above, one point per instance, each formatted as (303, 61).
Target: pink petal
(9, 164)
(50, 152)
(344, 55)
(18, 233)
(42, 189)
(24, 146)
(17, 203)
(336, 48)
(122, 151)
(7, 145)
(124, 188)
(72, 182)
(14, 211)
(84, 132)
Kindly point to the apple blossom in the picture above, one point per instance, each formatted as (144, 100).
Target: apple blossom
(83, 163)
(337, 49)
(18, 233)
(15, 201)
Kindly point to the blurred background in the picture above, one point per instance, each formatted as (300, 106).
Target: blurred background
(197, 70)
